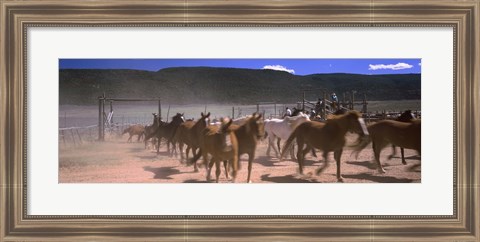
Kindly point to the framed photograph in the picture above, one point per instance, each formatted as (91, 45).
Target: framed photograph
(154, 120)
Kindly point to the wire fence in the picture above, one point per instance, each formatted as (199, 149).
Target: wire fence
(70, 137)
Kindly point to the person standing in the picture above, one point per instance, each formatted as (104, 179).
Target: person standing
(288, 112)
(334, 102)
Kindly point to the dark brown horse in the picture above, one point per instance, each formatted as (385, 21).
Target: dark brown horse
(328, 137)
(136, 129)
(385, 132)
(188, 133)
(405, 117)
(167, 131)
(150, 129)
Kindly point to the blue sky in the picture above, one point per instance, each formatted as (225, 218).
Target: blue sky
(294, 66)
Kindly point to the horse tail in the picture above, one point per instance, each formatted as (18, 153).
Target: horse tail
(287, 144)
(361, 143)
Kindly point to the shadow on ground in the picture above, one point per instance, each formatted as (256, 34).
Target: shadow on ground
(284, 179)
(148, 157)
(195, 181)
(378, 178)
(412, 157)
(368, 164)
(136, 149)
(415, 168)
(162, 172)
(264, 161)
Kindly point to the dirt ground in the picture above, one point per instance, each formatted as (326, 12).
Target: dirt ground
(117, 161)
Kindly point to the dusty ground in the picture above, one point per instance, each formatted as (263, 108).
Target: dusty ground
(117, 161)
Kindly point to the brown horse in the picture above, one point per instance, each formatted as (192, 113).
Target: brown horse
(188, 133)
(247, 136)
(328, 137)
(385, 132)
(136, 129)
(251, 130)
(405, 117)
(222, 144)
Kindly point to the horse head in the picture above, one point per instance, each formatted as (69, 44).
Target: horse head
(204, 120)
(178, 118)
(354, 122)
(357, 125)
(225, 124)
(256, 125)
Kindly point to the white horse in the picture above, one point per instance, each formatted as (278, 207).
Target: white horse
(281, 129)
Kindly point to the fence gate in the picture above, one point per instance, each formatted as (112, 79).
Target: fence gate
(105, 119)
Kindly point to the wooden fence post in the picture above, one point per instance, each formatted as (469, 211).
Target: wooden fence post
(73, 137)
(79, 137)
(168, 112)
(159, 109)
(352, 101)
(364, 109)
(100, 119)
(324, 105)
(63, 136)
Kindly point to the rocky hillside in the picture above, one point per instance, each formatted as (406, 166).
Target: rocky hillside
(188, 85)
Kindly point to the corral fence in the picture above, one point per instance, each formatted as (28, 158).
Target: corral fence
(390, 115)
(76, 136)
(324, 106)
(105, 120)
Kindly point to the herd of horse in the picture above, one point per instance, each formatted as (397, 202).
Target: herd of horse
(224, 141)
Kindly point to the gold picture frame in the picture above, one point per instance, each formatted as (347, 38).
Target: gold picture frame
(17, 16)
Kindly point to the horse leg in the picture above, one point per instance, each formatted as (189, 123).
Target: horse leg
(268, 146)
(250, 161)
(209, 168)
(338, 155)
(225, 165)
(174, 149)
(377, 149)
(394, 152)
(168, 148)
(300, 156)
(218, 170)
(403, 156)
(174, 144)
(180, 147)
(158, 145)
(194, 153)
(292, 151)
(314, 154)
(129, 138)
(272, 142)
(325, 158)
(278, 145)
